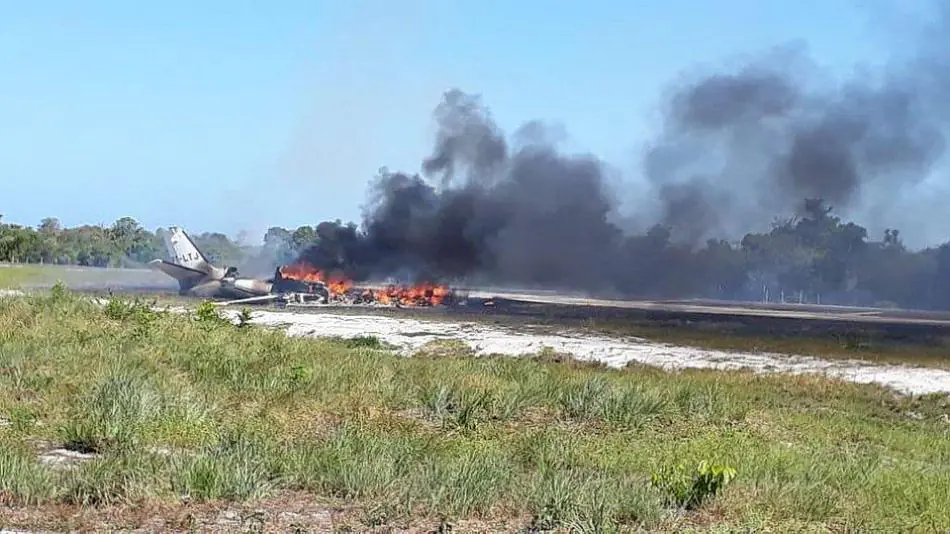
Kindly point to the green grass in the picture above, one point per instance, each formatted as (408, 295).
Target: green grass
(44, 275)
(12, 276)
(193, 407)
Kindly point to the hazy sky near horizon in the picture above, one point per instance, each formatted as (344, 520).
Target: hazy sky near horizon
(231, 116)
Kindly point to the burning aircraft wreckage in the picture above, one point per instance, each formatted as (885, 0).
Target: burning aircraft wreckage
(303, 280)
(296, 283)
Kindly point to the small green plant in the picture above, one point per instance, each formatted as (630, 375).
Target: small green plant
(120, 309)
(300, 375)
(235, 468)
(135, 311)
(363, 342)
(22, 418)
(689, 490)
(244, 318)
(58, 291)
(208, 315)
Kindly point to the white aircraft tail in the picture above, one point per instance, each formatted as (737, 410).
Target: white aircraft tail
(186, 263)
(183, 251)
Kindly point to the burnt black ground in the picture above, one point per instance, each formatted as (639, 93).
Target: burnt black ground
(547, 307)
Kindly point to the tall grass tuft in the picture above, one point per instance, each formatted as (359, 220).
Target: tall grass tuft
(22, 480)
(114, 416)
(124, 478)
(237, 468)
(457, 407)
(597, 400)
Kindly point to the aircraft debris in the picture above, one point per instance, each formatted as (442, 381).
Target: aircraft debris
(344, 291)
(297, 283)
(198, 277)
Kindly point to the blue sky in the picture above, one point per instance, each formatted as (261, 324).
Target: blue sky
(241, 115)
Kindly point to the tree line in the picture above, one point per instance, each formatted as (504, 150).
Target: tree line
(125, 243)
(814, 257)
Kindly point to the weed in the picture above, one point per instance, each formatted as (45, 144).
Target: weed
(378, 515)
(244, 317)
(596, 400)
(22, 418)
(461, 408)
(631, 406)
(690, 488)
(209, 316)
(59, 291)
(234, 469)
(364, 342)
(22, 480)
(113, 417)
(141, 314)
(583, 401)
(120, 479)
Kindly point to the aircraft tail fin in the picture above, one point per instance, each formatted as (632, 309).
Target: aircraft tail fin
(183, 251)
(186, 262)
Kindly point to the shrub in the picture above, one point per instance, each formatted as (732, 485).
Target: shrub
(690, 489)
(209, 315)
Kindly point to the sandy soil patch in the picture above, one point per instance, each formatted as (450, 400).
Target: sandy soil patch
(409, 335)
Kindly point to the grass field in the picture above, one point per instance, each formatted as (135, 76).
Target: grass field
(34, 276)
(12, 276)
(187, 417)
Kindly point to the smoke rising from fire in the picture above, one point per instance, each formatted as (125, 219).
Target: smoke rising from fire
(484, 210)
(740, 145)
(737, 147)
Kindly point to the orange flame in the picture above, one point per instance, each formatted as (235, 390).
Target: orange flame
(336, 284)
(422, 294)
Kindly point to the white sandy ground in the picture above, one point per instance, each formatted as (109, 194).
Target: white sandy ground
(409, 335)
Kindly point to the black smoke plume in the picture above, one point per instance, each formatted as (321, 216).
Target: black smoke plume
(738, 148)
(484, 210)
